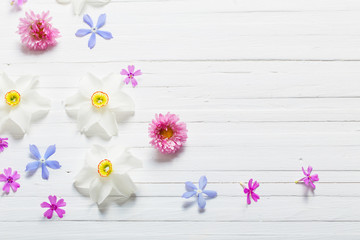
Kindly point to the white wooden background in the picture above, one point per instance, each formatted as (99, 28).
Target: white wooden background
(260, 84)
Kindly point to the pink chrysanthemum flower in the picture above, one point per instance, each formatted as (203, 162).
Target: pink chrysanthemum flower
(18, 2)
(168, 135)
(10, 180)
(36, 31)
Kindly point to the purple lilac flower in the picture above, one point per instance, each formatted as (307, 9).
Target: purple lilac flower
(94, 30)
(54, 206)
(192, 190)
(10, 180)
(42, 161)
(131, 74)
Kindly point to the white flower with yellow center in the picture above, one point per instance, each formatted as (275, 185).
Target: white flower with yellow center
(105, 172)
(98, 105)
(78, 5)
(20, 103)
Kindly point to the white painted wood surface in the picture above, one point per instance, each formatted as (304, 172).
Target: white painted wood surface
(261, 84)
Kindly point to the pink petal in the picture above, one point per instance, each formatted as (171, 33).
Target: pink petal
(309, 170)
(16, 176)
(312, 184)
(248, 199)
(250, 184)
(127, 80)
(45, 205)
(138, 73)
(15, 186)
(131, 68)
(3, 178)
(246, 190)
(315, 177)
(134, 82)
(305, 173)
(52, 199)
(306, 181)
(255, 196)
(48, 213)
(124, 72)
(7, 172)
(6, 188)
(61, 203)
(256, 185)
(60, 212)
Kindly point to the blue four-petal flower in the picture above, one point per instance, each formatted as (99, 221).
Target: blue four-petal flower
(192, 190)
(42, 161)
(94, 30)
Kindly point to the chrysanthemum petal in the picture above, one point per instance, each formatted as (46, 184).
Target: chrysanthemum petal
(99, 190)
(50, 151)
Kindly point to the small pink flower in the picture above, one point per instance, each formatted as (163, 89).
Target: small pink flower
(18, 2)
(10, 180)
(309, 179)
(3, 144)
(168, 135)
(54, 206)
(36, 31)
(250, 191)
(131, 75)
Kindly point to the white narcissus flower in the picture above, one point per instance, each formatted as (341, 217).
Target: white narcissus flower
(105, 172)
(20, 103)
(78, 5)
(99, 104)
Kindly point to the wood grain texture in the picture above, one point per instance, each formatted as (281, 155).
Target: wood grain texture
(264, 87)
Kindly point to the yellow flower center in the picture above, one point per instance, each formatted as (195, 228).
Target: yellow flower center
(104, 168)
(166, 132)
(99, 99)
(12, 98)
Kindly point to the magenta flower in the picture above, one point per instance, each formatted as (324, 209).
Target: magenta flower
(10, 180)
(131, 75)
(3, 144)
(250, 191)
(36, 31)
(18, 2)
(54, 206)
(168, 135)
(308, 179)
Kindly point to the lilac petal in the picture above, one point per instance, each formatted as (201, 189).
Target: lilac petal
(53, 164)
(101, 21)
(188, 194)
(61, 203)
(48, 214)
(210, 193)
(201, 201)
(52, 199)
(87, 19)
(248, 199)
(6, 187)
(138, 73)
(190, 186)
(255, 197)
(35, 151)
(105, 34)
(124, 72)
(134, 82)
(82, 32)
(131, 68)
(60, 212)
(45, 205)
(92, 41)
(315, 177)
(202, 182)
(50, 151)
(31, 167)
(45, 172)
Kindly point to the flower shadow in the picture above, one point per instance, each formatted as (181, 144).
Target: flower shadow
(164, 157)
(308, 191)
(31, 52)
